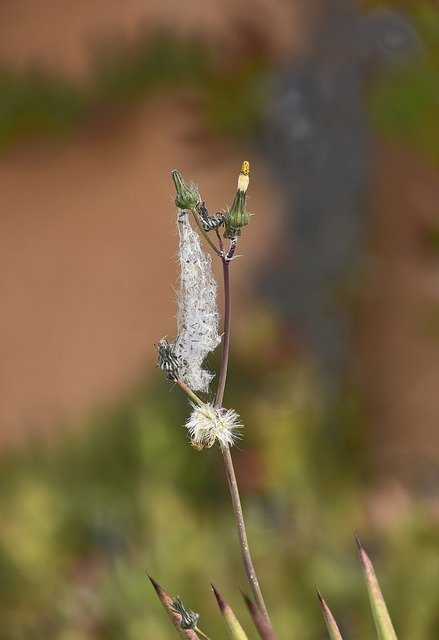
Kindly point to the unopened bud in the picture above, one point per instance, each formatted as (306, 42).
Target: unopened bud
(237, 215)
(244, 176)
(188, 195)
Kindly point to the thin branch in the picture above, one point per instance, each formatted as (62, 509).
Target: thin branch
(232, 249)
(189, 392)
(225, 347)
(227, 457)
(205, 234)
(220, 241)
(242, 535)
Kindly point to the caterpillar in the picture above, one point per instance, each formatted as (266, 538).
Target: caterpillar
(212, 222)
(168, 361)
(209, 222)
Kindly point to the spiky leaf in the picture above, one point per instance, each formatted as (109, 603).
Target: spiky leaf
(166, 600)
(331, 625)
(235, 630)
(383, 623)
(264, 630)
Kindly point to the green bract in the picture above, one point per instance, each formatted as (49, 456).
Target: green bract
(236, 217)
(188, 195)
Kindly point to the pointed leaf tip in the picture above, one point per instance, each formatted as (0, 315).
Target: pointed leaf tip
(383, 623)
(155, 584)
(331, 625)
(234, 628)
(264, 630)
(358, 541)
(167, 602)
(150, 577)
(250, 604)
(220, 600)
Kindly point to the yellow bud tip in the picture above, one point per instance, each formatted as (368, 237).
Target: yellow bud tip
(245, 169)
(244, 179)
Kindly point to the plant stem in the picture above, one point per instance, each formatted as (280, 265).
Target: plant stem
(242, 535)
(220, 242)
(204, 233)
(225, 346)
(189, 392)
(228, 462)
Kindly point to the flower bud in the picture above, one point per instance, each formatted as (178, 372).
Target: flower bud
(237, 215)
(188, 195)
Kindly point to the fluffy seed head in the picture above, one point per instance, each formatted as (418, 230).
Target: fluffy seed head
(208, 423)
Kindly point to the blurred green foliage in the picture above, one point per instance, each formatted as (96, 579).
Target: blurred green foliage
(405, 106)
(83, 518)
(231, 91)
(33, 103)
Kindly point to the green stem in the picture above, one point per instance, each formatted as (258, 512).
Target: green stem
(189, 392)
(204, 233)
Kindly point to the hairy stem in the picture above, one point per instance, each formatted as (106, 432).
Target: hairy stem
(228, 462)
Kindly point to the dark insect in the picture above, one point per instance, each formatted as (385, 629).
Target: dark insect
(168, 361)
(212, 222)
(209, 222)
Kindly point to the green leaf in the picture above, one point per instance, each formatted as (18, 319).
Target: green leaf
(235, 630)
(166, 600)
(331, 625)
(383, 623)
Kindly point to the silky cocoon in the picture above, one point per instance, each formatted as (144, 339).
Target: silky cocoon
(197, 317)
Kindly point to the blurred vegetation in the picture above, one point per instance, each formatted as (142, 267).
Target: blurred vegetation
(35, 104)
(405, 106)
(229, 89)
(84, 518)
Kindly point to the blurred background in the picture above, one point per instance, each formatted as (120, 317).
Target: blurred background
(335, 353)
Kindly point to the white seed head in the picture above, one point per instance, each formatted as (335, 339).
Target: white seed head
(207, 423)
(197, 317)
